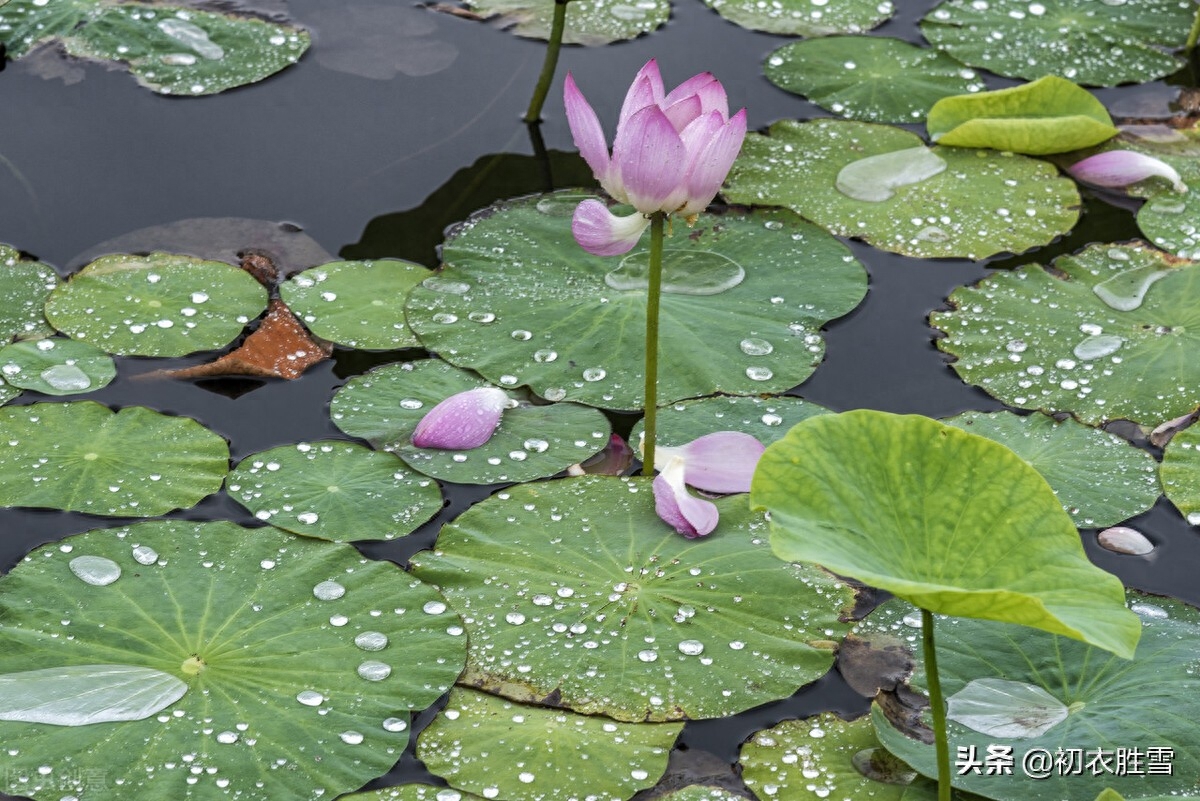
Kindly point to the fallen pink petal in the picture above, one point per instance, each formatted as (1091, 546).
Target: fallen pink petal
(462, 421)
(690, 516)
(1120, 168)
(722, 462)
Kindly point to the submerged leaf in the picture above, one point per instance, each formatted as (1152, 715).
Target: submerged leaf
(78, 695)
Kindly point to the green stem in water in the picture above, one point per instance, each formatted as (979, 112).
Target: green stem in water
(548, 66)
(1195, 32)
(937, 705)
(657, 223)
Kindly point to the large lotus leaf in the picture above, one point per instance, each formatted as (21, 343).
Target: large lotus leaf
(84, 457)
(1099, 478)
(500, 749)
(412, 792)
(576, 588)
(949, 521)
(1050, 115)
(359, 304)
(332, 490)
(156, 305)
(869, 78)
(1181, 473)
(170, 49)
(980, 204)
(766, 419)
(56, 366)
(532, 441)
(521, 303)
(1089, 42)
(1106, 334)
(1113, 705)
(7, 392)
(805, 17)
(589, 22)
(24, 287)
(303, 662)
(824, 756)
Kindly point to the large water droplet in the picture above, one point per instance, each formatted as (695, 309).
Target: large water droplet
(1097, 347)
(1126, 290)
(227, 737)
(371, 641)
(395, 724)
(329, 590)
(374, 671)
(310, 698)
(753, 346)
(98, 571)
(145, 555)
(684, 272)
(192, 36)
(691, 647)
(351, 737)
(66, 378)
(876, 177)
(434, 607)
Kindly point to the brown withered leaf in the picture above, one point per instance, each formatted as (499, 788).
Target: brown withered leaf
(875, 663)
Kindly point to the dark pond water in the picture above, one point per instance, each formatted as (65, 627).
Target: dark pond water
(371, 167)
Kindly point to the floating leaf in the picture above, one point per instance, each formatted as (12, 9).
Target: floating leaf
(982, 203)
(589, 22)
(359, 304)
(1050, 115)
(577, 588)
(1099, 478)
(80, 695)
(169, 49)
(521, 303)
(821, 755)
(532, 441)
(766, 418)
(303, 662)
(1103, 334)
(156, 305)
(1098, 44)
(84, 457)
(24, 287)
(804, 17)
(949, 521)
(56, 366)
(332, 490)
(1181, 473)
(1112, 705)
(498, 749)
(869, 78)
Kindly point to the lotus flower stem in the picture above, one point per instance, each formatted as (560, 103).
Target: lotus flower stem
(1194, 34)
(654, 290)
(557, 25)
(937, 706)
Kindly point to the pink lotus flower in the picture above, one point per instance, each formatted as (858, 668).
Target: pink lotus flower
(462, 421)
(671, 153)
(1119, 168)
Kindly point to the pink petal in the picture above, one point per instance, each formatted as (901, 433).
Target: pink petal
(646, 90)
(462, 421)
(648, 156)
(586, 131)
(614, 460)
(708, 169)
(722, 462)
(602, 233)
(683, 112)
(690, 516)
(1118, 168)
(706, 88)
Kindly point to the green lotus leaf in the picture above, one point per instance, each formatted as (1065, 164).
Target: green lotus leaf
(7, 392)
(1111, 704)
(589, 22)
(766, 418)
(949, 521)
(522, 304)
(532, 441)
(869, 78)
(332, 490)
(1097, 44)
(1050, 115)
(804, 17)
(156, 305)
(1105, 334)
(302, 661)
(172, 50)
(978, 204)
(1099, 478)
(824, 755)
(1180, 473)
(576, 588)
(56, 366)
(359, 304)
(24, 287)
(499, 749)
(84, 457)
(412, 792)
